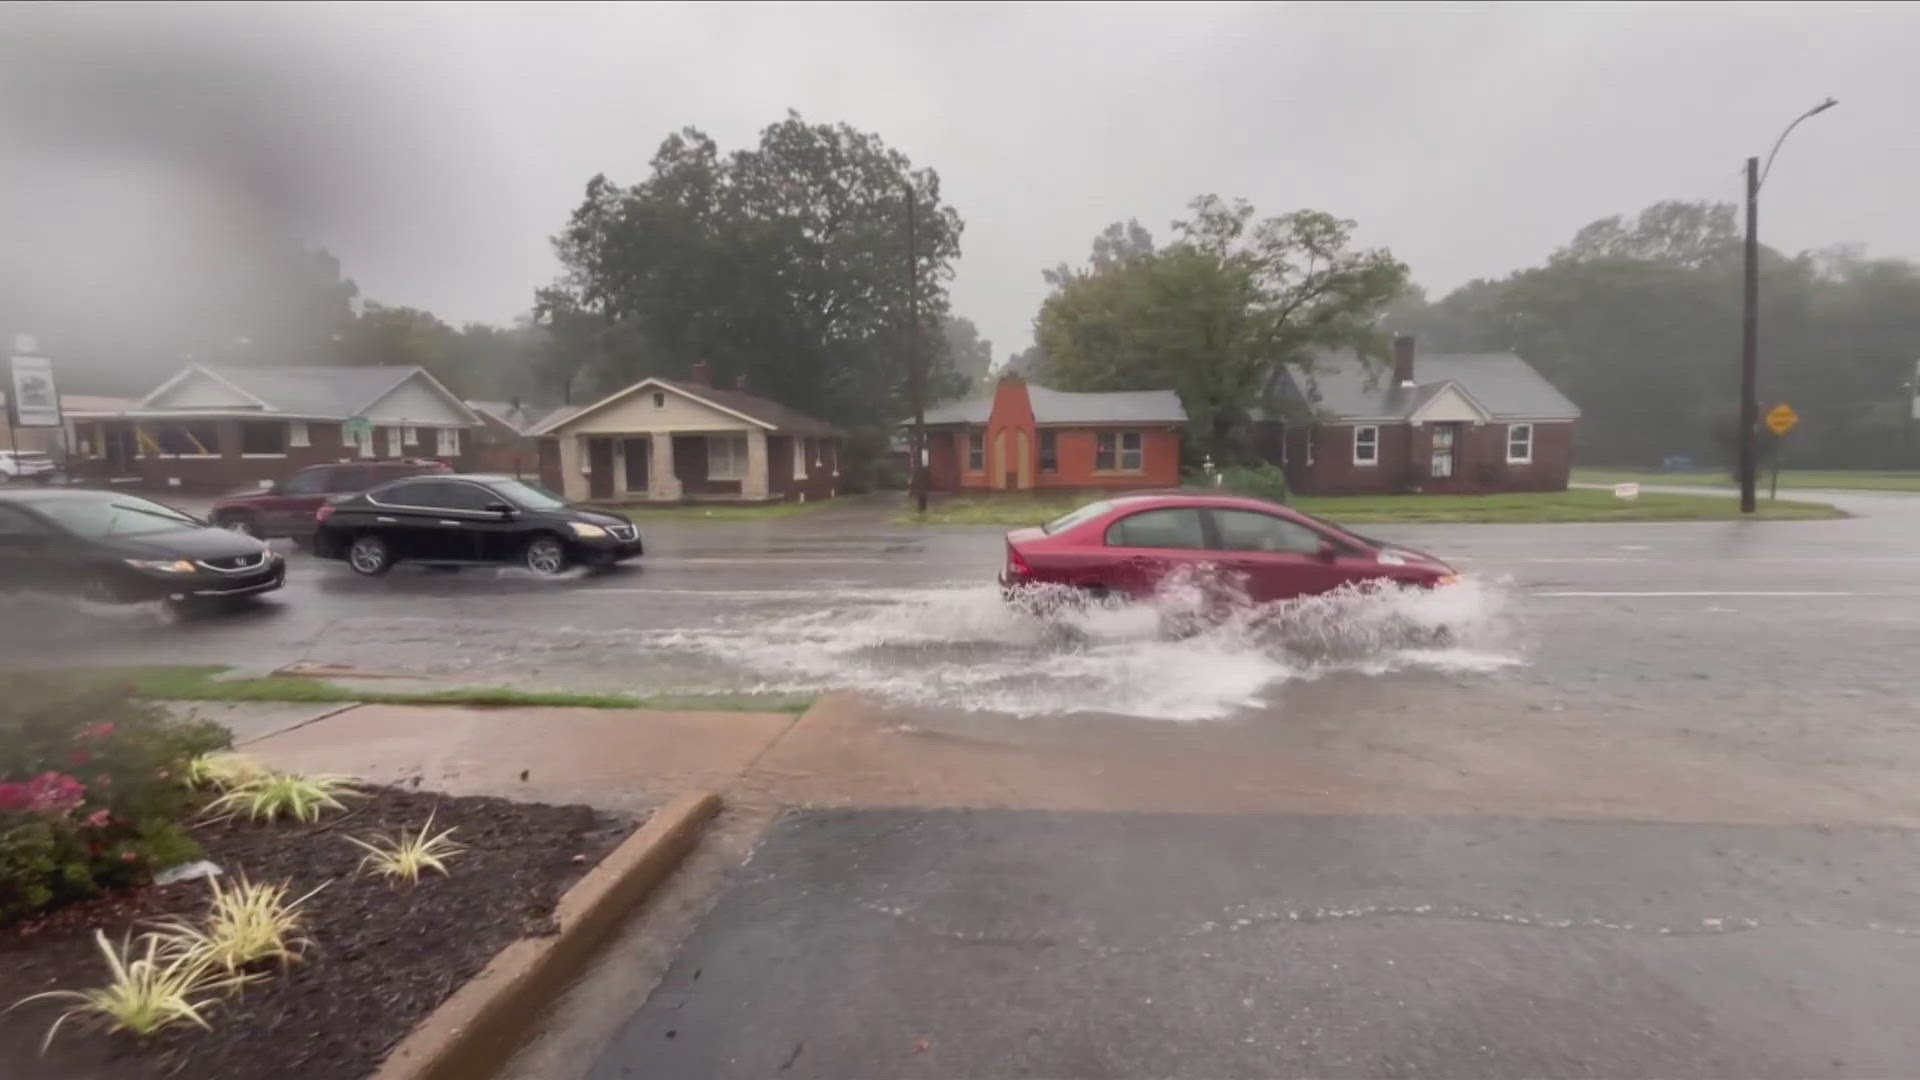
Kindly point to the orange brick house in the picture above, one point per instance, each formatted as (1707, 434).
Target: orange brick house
(1028, 437)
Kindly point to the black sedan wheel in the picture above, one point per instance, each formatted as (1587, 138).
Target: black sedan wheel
(545, 555)
(369, 555)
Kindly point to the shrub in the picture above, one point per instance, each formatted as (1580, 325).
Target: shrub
(405, 855)
(244, 925)
(1256, 482)
(92, 790)
(276, 795)
(145, 992)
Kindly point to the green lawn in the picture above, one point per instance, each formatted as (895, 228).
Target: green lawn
(641, 513)
(189, 682)
(1553, 506)
(1851, 479)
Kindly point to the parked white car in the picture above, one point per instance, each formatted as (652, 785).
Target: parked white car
(26, 465)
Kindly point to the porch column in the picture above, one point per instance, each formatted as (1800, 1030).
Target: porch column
(572, 484)
(662, 484)
(754, 485)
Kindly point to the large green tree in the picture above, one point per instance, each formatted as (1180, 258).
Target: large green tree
(1215, 313)
(785, 263)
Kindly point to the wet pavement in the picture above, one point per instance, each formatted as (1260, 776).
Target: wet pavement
(1648, 812)
(891, 943)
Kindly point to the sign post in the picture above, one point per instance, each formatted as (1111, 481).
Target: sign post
(1780, 420)
(32, 401)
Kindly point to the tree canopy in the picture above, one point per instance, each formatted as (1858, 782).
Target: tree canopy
(785, 263)
(1215, 313)
(1639, 323)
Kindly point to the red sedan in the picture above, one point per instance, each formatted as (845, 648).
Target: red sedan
(1128, 545)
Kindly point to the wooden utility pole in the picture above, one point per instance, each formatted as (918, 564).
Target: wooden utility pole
(1749, 343)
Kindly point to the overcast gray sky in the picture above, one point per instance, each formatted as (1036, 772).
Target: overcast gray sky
(435, 149)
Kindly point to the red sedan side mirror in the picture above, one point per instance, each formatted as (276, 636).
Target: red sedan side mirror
(1328, 551)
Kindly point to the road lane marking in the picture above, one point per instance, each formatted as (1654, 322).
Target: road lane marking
(1695, 593)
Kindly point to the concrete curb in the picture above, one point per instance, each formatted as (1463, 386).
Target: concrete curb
(473, 1032)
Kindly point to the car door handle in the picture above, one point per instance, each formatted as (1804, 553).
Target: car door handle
(386, 520)
(444, 521)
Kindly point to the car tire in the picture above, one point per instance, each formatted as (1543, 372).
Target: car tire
(545, 554)
(244, 524)
(369, 555)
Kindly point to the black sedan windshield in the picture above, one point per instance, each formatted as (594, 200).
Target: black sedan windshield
(527, 496)
(115, 515)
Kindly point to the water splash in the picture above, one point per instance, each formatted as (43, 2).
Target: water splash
(1198, 650)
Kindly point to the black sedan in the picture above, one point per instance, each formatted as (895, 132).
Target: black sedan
(113, 547)
(462, 520)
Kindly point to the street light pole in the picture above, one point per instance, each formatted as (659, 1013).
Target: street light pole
(1749, 344)
(917, 362)
(1750, 317)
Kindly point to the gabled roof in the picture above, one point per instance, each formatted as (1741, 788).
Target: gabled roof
(518, 417)
(1065, 407)
(749, 407)
(1349, 387)
(309, 391)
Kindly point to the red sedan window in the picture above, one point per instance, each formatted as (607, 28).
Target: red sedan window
(1174, 527)
(1249, 530)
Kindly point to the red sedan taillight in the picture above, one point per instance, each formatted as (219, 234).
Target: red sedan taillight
(1016, 565)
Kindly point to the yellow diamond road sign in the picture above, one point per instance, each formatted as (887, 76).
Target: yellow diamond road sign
(1781, 418)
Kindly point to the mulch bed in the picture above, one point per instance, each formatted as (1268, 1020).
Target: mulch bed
(383, 956)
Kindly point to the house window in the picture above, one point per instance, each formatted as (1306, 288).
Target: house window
(363, 441)
(1117, 451)
(393, 442)
(1285, 435)
(1519, 444)
(297, 433)
(449, 442)
(799, 459)
(976, 451)
(1443, 449)
(1049, 452)
(726, 457)
(659, 400)
(263, 438)
(410, 436)
(1366, 445)
(193, 438)
(1310, 431)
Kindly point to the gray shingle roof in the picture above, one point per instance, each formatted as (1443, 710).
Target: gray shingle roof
(316, 391)
(1064, 407)
(1505, 385)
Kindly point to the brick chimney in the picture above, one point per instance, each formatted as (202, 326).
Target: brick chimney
(1403, 360)
(740, 382)
(701, 374)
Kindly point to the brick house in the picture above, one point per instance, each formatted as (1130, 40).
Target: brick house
(1459, 423)
(501, 444)
(1029, 437)
(667, 440)
(216, 429)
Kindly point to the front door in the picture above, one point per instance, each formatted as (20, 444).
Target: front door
(636, 460)
(120, 448)
(1446, 438)
(600, 468)
(1278, 558)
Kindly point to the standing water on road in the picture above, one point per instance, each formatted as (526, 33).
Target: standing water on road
(1191, 653)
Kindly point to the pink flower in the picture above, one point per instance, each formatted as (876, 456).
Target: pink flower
(99, 818)
(14, 796)
(54, 793)
(128, 856)
(91, 732)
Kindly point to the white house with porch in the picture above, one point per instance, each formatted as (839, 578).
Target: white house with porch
(665, 440)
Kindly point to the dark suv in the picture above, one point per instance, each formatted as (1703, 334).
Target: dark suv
(287, 508)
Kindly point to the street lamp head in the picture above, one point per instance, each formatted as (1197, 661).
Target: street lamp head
(1823, 107)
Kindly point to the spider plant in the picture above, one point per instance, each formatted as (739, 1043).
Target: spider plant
(276, 794)
(245, 923)
(147, 992)
(224, 770)
(404, 856)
